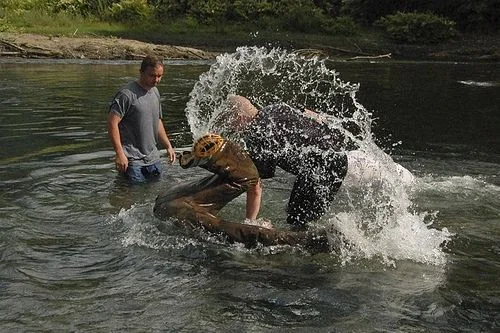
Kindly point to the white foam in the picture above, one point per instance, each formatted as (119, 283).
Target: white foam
(373, 209)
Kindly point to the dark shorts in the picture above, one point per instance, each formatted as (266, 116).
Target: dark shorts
(315, 187)
(143, 173)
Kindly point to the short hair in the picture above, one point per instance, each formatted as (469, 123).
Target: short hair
(151, 61)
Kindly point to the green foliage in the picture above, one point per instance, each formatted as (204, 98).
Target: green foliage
(417, 27)
(209, 11)
(42, 22)
(71, 7)
(342, 25)
(300, 16)
(338, 17)
(250, 11)
(94, 8)
(471, 15)
(288, 15)
(20, 4)
(331, 8)
(368, 11)
(5, 26)
(169, 9)
(130, 11)
(184, 24)
(212, 11)
(40, 16)
(10, 9)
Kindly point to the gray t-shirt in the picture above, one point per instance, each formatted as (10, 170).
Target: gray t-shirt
(140, 110)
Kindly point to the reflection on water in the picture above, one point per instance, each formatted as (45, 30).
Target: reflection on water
(79, 251)
(426, 107)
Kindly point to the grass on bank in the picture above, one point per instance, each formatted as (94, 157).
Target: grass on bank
(223, 37)
(185, 32)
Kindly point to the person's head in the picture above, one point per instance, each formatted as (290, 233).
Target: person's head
(151, 71)
(241, 111)
(203, 149)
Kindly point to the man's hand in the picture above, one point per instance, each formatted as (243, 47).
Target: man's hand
(121, 162)
(171, 155)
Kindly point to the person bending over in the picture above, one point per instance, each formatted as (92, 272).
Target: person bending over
(298, 142)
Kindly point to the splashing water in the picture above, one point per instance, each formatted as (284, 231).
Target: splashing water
(271, 76)
(138, 231)
(373, 209)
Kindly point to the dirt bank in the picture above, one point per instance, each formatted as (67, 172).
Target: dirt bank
(38, 46)
(467, 48)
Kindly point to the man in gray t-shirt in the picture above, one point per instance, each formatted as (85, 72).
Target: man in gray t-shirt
(135, 126)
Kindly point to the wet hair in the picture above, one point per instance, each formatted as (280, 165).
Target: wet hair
(151, 61)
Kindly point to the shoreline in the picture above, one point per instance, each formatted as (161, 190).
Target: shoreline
(34, 46)
(37, 46)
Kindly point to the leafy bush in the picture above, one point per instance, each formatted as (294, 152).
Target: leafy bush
(291, 15)
(209, 11)
(298, 16)
(471, 15)
(245, 10)
(19, 4)
(72, 7)
(130, 11)
(368, 11)
(331, 8)
(417, 27)
(169, 9)
(85, 8)
(4, 27)
(342, 25)
(302, 19)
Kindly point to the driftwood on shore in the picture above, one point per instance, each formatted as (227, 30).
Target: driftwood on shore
(106, 48)
(32, 51)
(326, 51)
(380, 56)
(37, 46)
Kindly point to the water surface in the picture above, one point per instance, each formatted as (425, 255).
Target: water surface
(79, 250)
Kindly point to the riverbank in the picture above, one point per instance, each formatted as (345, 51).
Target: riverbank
(466, 48)
(96, 48)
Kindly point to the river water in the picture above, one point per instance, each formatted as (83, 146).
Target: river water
(80, 250)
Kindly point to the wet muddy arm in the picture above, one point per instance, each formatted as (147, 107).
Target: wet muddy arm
(234, 163)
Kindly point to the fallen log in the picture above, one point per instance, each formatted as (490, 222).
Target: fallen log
(388, 55)
(12, 45)
(10, 54)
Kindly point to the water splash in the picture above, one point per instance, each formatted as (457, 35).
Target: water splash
(374, 209)
(137, 230)
(271, 76)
